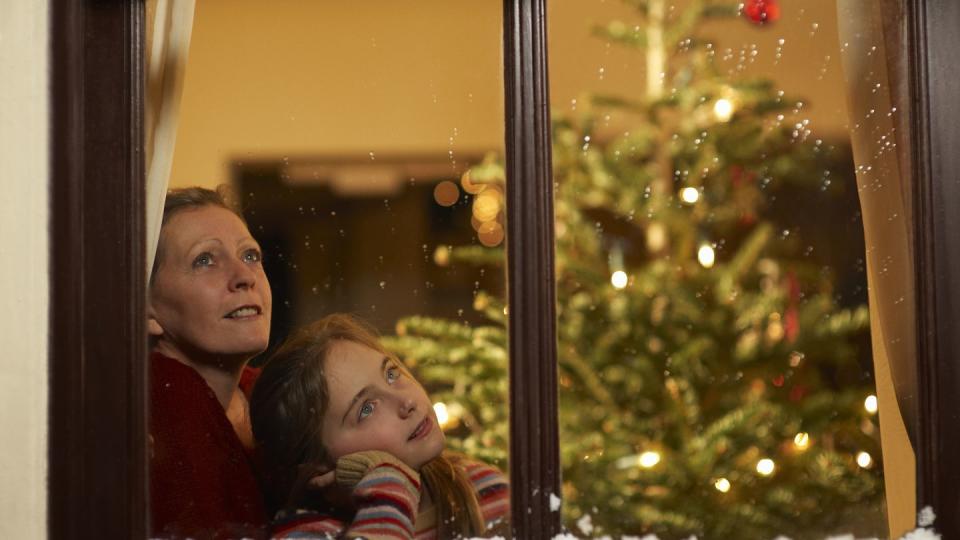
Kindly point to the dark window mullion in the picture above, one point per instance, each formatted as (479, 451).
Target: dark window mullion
(534, 439)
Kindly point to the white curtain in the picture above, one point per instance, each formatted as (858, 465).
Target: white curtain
(872, 38)
(169, 25)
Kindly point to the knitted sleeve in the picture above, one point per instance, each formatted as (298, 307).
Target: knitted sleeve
(385, 493)
(493, 493)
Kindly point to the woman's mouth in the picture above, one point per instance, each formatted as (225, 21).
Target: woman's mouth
(423, 428)
(243, 312)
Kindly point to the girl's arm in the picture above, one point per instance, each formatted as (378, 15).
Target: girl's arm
(385, 493)
(493, 494)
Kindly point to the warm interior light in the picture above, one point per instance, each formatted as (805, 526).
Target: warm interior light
(870, 404)
(723, 109)
(443, 417)
(619, 279)
(649, 459)
(446, 193)
(765, 466)
(722, 485)
(802, 440)
(864, 460)
(706, 256)
(486, 205)
(689, 195)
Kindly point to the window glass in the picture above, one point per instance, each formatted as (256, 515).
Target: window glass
(363, 145)
(715, 369)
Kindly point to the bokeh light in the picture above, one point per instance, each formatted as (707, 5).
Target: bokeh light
(723, 109)
(870, 404)
(706, 255)
(649, 459)
(443, 417)
(766, 466)
(446, 193)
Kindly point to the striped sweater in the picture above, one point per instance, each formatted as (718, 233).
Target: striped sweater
(386, 494)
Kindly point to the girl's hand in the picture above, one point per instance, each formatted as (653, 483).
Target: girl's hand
(324, 483)
(323, 480)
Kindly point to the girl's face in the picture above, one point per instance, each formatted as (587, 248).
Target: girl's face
(209, 295)
(375, 404)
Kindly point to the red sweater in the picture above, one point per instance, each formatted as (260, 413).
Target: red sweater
(202, 480)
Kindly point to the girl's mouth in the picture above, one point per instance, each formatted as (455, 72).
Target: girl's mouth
(424, 427)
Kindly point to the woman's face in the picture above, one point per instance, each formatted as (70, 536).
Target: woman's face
(209, 296)
(375, 404)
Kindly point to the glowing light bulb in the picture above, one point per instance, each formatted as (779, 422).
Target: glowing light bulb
(722, 485)
(723, 109)
(802, 440)
(870, 404)
(766, 466)
(443, 417)
(619, 279)
(689, 195)
(864, 460)
(648, 459)
(706, 256)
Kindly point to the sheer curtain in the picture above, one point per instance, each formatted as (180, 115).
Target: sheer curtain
(169, 25)
(873, 43)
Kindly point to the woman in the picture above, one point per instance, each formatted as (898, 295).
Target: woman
(352, 448)
(208, 314)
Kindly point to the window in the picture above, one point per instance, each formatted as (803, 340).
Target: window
(97, 409)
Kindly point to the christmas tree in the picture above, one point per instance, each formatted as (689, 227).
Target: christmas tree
(710, 380)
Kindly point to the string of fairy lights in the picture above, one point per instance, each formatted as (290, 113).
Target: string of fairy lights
(488, 199)
(449, 417)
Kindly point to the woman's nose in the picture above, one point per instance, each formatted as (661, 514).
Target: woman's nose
(243, 277)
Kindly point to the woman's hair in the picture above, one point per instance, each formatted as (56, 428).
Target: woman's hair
(190, 198)
(287, 408)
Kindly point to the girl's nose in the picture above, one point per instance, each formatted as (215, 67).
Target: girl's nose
(407, 407)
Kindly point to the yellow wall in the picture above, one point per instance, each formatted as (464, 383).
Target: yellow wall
(294, 78)
(288, 78)
(23, 274)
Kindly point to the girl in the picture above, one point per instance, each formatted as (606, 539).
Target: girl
(351, 446)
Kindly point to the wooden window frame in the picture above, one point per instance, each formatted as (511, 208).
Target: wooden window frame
(98, 406)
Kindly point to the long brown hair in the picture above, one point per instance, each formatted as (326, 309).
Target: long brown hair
(287, 408)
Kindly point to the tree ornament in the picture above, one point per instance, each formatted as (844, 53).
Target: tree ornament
(798, 392)
(791, 317)
(761, 11)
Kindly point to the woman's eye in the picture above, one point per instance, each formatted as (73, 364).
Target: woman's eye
(366, 410)
(203, 259)
(252, 255)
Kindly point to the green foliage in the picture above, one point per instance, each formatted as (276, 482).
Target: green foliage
(713, 367)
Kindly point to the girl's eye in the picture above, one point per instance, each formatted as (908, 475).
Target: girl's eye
(366, 410)
(393, 374)
(252, 255)
(203, 259)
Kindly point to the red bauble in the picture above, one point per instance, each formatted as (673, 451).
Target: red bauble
(761, 11)
(791, 318)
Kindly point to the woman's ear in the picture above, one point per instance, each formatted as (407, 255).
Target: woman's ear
(153, 324)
